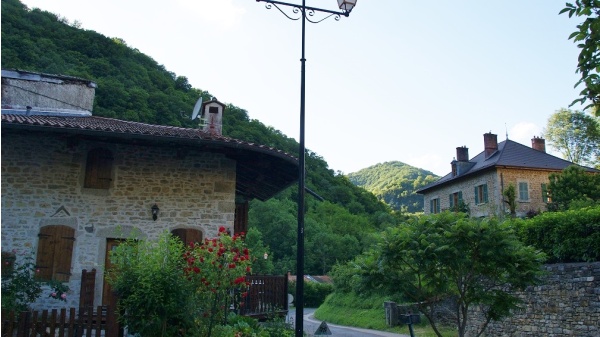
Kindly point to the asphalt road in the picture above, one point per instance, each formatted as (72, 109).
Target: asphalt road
(311, 325)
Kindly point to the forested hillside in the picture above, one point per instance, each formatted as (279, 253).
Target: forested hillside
(132, 86)
(395, 183)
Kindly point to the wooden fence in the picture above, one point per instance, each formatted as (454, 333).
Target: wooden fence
(62, 323)
(267, 296)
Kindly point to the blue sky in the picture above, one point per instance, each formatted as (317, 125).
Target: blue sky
(398, 80)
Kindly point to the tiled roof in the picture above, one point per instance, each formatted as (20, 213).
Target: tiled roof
(102, 124)
(274, 168)
(509, 154)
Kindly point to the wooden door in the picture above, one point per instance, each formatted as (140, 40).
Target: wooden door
(108, 297)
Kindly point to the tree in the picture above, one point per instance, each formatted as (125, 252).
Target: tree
(575, 134)
(510, 197)
(587, 36)
(154, 295)
(478, 263)
(573, 186)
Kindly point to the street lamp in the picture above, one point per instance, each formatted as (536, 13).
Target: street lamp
(306, 13)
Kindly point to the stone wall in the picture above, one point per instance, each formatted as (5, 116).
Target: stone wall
(566, 303)
(42, 184)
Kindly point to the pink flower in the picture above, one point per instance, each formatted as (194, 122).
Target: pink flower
(63, 296)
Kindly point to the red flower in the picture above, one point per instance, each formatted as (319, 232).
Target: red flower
(221, 229)
(248, 269)
(231, 265)
(239, 280)
(196, 270)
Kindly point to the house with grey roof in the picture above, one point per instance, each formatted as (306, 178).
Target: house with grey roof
(479, 182)
(74, 185)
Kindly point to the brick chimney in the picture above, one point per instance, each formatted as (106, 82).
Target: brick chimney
(212, 114)
(462, 153)
(490, 142)
(538, 143)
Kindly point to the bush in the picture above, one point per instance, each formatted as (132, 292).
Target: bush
(314, 293)
(20, 285)
(570, 236)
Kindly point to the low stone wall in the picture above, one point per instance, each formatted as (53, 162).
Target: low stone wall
(566, 303)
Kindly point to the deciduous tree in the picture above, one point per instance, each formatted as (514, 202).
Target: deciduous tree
(587, 37)
(575, 135)
(476, 262)
(573, 186)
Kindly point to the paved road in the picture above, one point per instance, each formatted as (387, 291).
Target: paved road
(311, 325)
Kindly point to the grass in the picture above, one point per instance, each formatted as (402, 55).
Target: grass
(369, 313)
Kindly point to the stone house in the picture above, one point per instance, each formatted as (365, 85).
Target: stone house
(479, 182)
(75, 185)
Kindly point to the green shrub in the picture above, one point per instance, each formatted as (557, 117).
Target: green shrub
(20, 284)
(314, 293)
(569, 236)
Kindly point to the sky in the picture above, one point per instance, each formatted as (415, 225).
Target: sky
(397, 80)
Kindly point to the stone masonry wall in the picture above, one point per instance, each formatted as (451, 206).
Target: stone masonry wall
(42, 184)
(566, 303)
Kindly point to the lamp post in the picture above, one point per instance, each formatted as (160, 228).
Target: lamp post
(306, 13)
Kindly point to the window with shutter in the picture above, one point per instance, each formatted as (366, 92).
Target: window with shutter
(481, 194)
(55, 251)
(523, 191)
(434, 205)
(98, 169)
(545, 197)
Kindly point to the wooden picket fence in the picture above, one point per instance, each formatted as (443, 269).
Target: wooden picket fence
(267, 296)
(62, 323)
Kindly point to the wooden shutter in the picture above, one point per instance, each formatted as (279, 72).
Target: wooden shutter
(55, 252)
(45, 253)
(460, 196)
(477, 195)
(98, 169)
(187, 235)
(431, 206)
(451, 200)
(485, 193)
(240, 222)
(544, 193)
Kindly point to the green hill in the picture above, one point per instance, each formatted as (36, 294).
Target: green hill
(395, 183)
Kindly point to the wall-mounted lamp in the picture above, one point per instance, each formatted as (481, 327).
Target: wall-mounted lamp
(155, 210)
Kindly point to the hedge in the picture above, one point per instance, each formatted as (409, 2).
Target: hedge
(569, 236)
